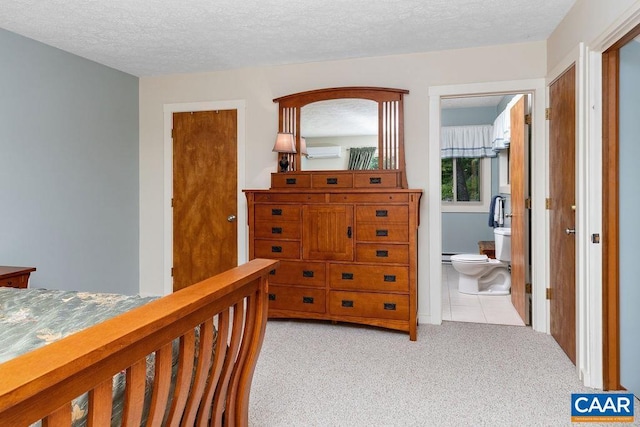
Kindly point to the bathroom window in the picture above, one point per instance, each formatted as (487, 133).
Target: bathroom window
(466, 184)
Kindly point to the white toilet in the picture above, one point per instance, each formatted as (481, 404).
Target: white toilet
(481, 275)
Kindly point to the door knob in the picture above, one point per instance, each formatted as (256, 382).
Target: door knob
(509, 215)
(570, 231)
(231, 218)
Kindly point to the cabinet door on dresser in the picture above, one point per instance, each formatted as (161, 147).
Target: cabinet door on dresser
(327, 232)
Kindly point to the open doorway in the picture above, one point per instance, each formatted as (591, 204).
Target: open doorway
(536, 89)
(477, 168)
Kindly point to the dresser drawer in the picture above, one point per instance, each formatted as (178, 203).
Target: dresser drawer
(277, 230)
(297, 299)
(332, 180)
(377, 253)
(372, 305)
(300, 273)
(290, 180)
(376, 180)
(382, 213)
(277, 212)
(277, 249)
(15, 281)
(369, 277)
(382, 232)
(383, 197)
(290, 197)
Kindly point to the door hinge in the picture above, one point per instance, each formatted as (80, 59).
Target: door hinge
(548, 293)
(527, 288)
(547, 113)
(171, 132)
(547, 203)
(171, 271)
(527, 119)
(527, 203)
(172, 202)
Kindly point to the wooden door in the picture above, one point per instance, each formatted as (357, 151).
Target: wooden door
(205, 235)
(518, 173)
(328, 232)
(562, 211)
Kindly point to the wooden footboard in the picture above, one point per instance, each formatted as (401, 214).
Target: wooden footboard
(214, 371)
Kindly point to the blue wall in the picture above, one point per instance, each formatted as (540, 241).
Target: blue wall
(68, 168)
(461, 232)
(629, 208)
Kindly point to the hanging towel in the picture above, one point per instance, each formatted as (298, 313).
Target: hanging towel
(494, 211)
(501, 137)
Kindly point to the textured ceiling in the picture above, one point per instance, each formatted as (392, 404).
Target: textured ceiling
(154, 37)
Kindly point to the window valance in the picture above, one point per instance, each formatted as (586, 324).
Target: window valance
(466, 141)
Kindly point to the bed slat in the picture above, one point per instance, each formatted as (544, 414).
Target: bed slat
(218, 359)
(183, 379)
(220, 397)
(100, 404)
(134, 394)
(205, 352)
(59, 418)
(161, 385)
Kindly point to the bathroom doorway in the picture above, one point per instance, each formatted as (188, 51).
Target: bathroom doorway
(485, 172)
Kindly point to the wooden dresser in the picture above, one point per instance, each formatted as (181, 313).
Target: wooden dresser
(347, 241)
(15, 277)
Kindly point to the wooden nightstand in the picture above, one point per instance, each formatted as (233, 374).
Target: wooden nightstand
(15, 277)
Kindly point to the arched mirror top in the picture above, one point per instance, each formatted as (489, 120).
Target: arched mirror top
(348, 128)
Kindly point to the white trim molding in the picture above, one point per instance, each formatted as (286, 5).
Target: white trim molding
(168, 110)
(539, 178)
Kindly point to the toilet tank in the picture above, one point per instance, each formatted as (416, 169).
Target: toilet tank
(503, 243)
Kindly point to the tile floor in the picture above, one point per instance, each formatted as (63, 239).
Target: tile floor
(460, 307)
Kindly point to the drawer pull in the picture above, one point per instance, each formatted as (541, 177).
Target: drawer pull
(382, 254)
(382, 213)
(389, 277)
(349, 232)
(375, 180)
(276, 212)
(347, 303)
(307, 300)
(332, 181)
(389, 306)
(276, 249)
(290, 181)
(276, 230)
(272, 272)
(272, 297)
(347, 276)
(307, 273)
(382, 233)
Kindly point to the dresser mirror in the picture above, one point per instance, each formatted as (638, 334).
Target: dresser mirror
(333, 127)
(349, 128)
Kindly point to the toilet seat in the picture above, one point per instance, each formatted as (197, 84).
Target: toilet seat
(470, 258)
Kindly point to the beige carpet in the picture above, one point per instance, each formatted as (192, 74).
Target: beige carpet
(457, 374)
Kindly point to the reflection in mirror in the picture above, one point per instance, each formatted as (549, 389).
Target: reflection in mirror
(340, 134)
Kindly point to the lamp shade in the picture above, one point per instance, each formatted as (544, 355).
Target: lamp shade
(303, 146)
(285, 143)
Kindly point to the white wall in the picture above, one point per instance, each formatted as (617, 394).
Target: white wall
(259, 86)
(585, 22)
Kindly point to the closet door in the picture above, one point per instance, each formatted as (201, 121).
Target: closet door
(328, 232)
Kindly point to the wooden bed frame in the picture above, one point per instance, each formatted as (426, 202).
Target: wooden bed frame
(214, 391)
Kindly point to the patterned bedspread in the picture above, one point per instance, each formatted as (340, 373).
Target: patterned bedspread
(32, 318)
